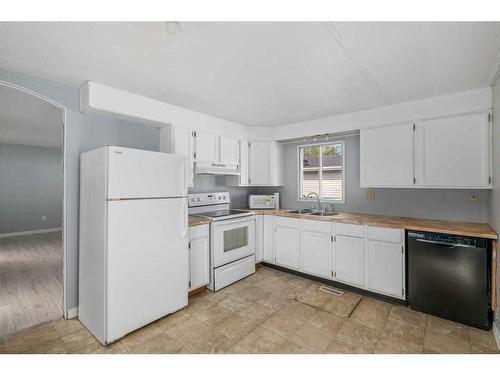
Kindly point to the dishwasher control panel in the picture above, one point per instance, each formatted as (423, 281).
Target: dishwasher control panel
(449, 239)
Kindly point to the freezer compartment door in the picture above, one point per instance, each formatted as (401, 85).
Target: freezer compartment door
(136, 173)
(147, 262)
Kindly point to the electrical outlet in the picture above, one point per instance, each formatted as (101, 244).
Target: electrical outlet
(44, 218)
(473, 198)
(370, 194)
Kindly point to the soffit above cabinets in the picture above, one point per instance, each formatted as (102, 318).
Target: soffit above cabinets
(261, 73)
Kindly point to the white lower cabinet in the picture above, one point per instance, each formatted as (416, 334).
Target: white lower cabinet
(349, 260)
(268, 241)
(385, 268)
(287, 243)
(259, 238)
(316, 248)
(199, 256)
(367, 257)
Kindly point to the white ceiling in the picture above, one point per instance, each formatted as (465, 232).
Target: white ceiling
(261, 74)
(28, 120)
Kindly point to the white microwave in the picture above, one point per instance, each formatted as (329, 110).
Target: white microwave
(264, 201)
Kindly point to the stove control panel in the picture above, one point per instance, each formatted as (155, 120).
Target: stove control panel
(208, 199)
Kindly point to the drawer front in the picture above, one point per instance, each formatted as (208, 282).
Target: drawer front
(316, 226)
(199, 231)
(352, 230)
(230, 273)
(385, 234)
(287, 222)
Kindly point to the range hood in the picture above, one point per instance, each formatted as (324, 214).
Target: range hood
(214, 168)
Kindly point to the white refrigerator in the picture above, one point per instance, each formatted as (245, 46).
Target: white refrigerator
(133, 260)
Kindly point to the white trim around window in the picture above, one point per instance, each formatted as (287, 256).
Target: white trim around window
(300, 172)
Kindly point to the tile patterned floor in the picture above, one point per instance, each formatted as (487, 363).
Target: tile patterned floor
(271, 312)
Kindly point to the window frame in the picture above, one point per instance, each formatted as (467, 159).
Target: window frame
(300, 171)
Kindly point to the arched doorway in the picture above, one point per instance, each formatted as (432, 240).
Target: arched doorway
(33, 223)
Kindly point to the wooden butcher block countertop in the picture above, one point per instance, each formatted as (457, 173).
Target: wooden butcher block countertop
(193, 220)
(460, 228)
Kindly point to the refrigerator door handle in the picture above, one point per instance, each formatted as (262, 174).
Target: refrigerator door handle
(186, 221)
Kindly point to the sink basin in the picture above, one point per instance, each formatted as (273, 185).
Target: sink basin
(302, 211)
(324, 213)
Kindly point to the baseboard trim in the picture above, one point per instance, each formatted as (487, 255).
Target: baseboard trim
(27, 232)
(496, 331)
(73, 313)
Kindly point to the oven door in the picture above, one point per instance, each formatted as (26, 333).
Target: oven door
(233, 239)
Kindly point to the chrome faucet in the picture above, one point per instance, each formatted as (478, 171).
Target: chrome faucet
(308, 196)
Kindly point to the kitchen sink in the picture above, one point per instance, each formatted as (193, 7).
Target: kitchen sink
(324, 213)
(302, 211)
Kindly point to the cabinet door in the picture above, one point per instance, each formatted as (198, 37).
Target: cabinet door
(287, 242)
(454, 152)
(260, 164)
(386, 156)
(349, 260)
(316, 252)
(207, 148)
(243, 180)
(259, 238)
(183, 145)
(384, 263)
(199, 260)
(268, 250)
(229, 150)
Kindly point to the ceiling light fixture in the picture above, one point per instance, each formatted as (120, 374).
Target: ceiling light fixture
(172, 27)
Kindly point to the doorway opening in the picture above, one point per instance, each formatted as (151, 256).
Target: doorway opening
(32, 215)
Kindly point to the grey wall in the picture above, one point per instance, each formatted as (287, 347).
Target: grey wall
(422, 203)
(211, 184)
(494, 206)
(83, 132)
(31, 186)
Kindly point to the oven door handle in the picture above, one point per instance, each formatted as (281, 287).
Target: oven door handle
(233, 221)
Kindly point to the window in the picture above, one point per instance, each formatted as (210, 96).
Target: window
(322, 171)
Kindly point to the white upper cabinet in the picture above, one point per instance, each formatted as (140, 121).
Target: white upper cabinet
(179, 141)
(207, 146)
(259, 166)
(451, 152)
(242, 179)
(265, 160)
(454, 152)
(229, 150)
(386, 156)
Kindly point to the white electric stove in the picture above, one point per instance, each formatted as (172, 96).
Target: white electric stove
(232, 238)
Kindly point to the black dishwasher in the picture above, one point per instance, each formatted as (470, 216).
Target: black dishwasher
(450, 276)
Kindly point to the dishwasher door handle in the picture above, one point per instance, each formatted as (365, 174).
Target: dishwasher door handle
(450, 246)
